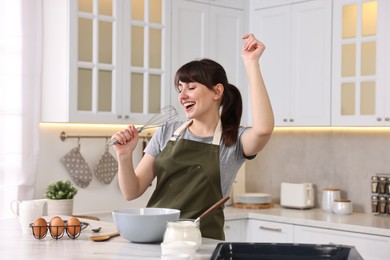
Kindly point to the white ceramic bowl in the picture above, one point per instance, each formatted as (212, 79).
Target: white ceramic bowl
(144, 225)
(342, 207)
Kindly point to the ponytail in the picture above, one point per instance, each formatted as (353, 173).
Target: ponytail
(231, 114)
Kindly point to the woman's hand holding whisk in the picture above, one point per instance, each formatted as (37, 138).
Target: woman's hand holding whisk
(127, 140)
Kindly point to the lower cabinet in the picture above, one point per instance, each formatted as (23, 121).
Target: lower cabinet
(235, 230)
(269, 232)
(370, 247)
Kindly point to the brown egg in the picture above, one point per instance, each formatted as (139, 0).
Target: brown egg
(40, 228)
(57, 227)
(73, 227)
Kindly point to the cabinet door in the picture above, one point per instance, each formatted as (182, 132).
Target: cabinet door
(311, 63)
(359, 55)
(269, 232)
(272, 27)
(369, 247)
(235, 230)
(225, 47)
(190, 29)
(94, 93)
(103, 61)
(202, 30)
(384, 29)
(296, 63)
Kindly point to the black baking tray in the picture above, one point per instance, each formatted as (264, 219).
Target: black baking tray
(276, 251)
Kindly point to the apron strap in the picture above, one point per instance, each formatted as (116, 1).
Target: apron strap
(217, 134)
(180, 130)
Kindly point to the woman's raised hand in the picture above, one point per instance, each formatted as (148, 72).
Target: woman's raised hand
(252, 48)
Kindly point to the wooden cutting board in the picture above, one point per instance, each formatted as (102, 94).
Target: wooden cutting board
(253, 206)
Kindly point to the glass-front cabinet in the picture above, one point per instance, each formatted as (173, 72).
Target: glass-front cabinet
(104, 60)
(360, 95)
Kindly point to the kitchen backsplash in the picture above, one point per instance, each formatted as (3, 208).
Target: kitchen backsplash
(331, 158)
(341, 158)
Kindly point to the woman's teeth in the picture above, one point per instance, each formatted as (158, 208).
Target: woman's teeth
(189, 104)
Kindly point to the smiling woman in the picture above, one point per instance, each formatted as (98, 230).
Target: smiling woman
(20, 63)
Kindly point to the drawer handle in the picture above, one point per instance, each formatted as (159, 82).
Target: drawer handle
(271, 229)
(227, 227)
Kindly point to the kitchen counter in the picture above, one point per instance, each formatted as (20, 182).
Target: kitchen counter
(355, 222)
(15, 245)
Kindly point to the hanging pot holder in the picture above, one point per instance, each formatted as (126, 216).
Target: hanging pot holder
(77, 168)
(106, 167)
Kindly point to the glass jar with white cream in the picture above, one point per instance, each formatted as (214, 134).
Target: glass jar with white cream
(183, 230)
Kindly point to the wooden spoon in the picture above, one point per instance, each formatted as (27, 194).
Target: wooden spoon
(106, 237)
(213, 207)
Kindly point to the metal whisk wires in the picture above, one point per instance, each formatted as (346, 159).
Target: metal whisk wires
(167, 113)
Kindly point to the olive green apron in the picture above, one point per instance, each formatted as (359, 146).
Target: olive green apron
(188, 178)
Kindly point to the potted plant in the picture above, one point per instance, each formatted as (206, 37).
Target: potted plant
(60, 196)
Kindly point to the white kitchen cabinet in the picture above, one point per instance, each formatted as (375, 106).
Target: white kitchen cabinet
(240, 4)
(208, 29)
(255, 4)
(104, 61)
(296, 64)
(361, 64)
(235, 230)
(269, 232)
(370, 247)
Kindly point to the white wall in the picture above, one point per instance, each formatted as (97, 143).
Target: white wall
(96, 197)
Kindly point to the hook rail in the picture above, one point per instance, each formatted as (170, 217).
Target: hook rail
(64, 136)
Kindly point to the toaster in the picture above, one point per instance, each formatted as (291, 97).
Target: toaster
(297, 195)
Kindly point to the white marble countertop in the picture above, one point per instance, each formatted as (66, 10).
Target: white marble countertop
(15, 245)
(355, 222)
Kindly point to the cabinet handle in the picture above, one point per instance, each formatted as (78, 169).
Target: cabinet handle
(126, 117)
(270, 229)
(378, 119)
(291, 120)
(119, 116)
(387, 119)
(227, 227)
(285, 120)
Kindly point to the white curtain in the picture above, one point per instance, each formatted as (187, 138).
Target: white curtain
(20, 81)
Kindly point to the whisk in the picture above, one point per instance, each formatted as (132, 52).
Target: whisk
(166, 114)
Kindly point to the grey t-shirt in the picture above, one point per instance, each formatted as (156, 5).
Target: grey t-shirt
(231, 158)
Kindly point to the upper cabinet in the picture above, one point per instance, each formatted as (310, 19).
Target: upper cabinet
(296, 64)
(208, 29)
(104, 61)
(361, 63)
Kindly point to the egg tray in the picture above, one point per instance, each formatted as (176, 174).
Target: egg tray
(56, 234)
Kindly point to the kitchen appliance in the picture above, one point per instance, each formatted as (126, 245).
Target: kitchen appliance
(284, 251)
(297, 195)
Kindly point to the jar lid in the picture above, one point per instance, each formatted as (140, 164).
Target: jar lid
(331, 189)
(343, 200)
